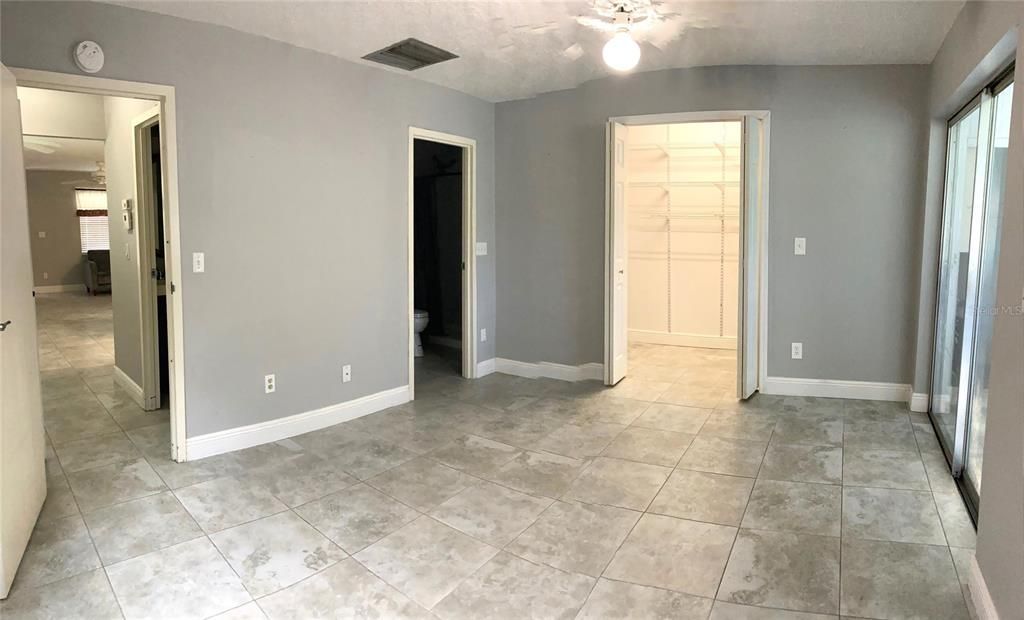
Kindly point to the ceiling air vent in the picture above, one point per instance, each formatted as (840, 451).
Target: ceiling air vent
(410, 54)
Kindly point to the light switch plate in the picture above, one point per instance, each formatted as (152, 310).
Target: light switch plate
(481, 248)
(198, 262)
(42, 234)
(483, 335)
(346, 373)
(800, 246)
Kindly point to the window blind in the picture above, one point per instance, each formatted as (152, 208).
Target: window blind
(93, 228)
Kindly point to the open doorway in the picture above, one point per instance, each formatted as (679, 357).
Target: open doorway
(687, 199)
(442, 289)
(107, 340)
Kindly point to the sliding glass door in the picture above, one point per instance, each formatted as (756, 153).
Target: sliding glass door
(975, 177)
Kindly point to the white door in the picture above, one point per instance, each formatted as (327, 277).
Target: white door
(22, 449)
(754, 181)
(616, 342)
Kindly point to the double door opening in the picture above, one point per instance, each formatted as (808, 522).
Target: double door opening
(976, 154)
(687, 209)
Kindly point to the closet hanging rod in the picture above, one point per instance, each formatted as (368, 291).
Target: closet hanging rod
(664, 207)
(685, 146)
(690, 216)
(685, 183)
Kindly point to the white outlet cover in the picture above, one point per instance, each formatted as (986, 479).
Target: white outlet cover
(797, 350)
(483, 335)
(198, 262)
(42, 234)
(481, 248)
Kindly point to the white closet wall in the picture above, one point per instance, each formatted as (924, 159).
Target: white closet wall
(683, 204)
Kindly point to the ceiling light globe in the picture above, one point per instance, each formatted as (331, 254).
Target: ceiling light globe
(621, 53)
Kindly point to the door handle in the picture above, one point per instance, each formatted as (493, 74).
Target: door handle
(3, 326)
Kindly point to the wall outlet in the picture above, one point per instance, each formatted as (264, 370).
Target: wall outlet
(269, 384)
(46, 276)
(42, 234)
(483, 335)
(481, 248)
(800, 246)
(198, 262)
(797, 350)
(346, 373)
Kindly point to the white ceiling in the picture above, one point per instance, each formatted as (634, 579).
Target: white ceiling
(64, 153)
(511, 49)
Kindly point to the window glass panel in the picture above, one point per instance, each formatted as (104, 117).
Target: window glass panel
(986, 309)
(961, 165)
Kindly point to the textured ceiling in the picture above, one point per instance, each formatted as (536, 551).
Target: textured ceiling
(516, 49)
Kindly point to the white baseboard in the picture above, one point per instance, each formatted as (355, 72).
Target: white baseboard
(128, 385)
(981, 598)
(283, 428)
(485, 368)
(682, 340)
(59, 288)
(919, 402)
(563, 372)
(828, 388)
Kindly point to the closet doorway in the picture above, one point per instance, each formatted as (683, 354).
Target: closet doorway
(687, 200)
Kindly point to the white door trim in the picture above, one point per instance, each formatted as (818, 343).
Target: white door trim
(762, 301)
(469, 319)
(145, 231)
(164, 95)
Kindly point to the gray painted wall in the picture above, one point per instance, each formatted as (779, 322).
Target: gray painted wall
(292, 179)
(119, 117)
(844, 172)
(983, 38)
(51, 209)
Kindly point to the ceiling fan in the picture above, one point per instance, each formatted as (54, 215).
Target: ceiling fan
(96, 177)
(627, 21)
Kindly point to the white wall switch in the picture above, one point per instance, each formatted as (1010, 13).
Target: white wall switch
(483, 335)
(269, 384)
(346, 373)
(198, 262)
(481, 248)
(800, 246)
(46, 275)
(42, 234)
(798, 350)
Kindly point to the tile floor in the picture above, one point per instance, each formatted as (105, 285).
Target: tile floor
(498, 498)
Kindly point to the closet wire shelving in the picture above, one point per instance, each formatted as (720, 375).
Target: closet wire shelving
(726, 153)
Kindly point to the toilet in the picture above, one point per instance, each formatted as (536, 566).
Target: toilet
(420, 318)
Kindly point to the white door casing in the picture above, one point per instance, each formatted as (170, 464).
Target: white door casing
(22, 444)
(616, 340)
(753, 187)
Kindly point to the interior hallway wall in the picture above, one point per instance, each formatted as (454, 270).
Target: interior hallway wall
(985, 36)
(292, 171)
(844, 173)
(51, 209)
(120, 114)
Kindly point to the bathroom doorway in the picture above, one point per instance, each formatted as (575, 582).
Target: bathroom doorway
(441, 251)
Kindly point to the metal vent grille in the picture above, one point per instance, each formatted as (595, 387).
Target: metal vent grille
(410, 54)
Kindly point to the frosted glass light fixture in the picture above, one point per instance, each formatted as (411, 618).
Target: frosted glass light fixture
(621, 52)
